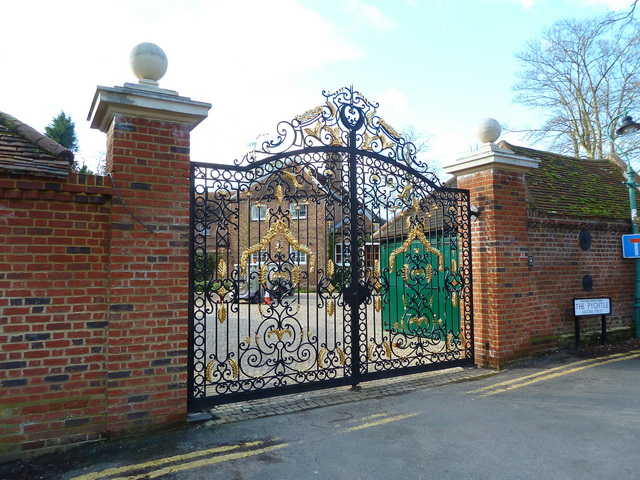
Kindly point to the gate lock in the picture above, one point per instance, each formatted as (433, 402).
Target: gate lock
(358, 295)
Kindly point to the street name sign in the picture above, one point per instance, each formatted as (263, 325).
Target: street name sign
(591, 306)
(631, 246)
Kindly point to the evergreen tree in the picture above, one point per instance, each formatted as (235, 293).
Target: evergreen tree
(63, 130)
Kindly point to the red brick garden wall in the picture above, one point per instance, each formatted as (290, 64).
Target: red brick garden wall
(94, 296)
(559, 264)
(500, 276)
(53, 311)
(522, 310)
(94, 305)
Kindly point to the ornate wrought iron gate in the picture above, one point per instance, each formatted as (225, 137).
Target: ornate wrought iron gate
(328, 256)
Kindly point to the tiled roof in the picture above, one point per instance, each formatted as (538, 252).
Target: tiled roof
(24, 150)
(561, 185)
(574, 187)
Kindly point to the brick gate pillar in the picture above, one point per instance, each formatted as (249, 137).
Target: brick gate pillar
(148, 138)
(495, 179)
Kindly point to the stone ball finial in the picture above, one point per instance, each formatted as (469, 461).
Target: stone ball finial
(488, 130)
(148, 62)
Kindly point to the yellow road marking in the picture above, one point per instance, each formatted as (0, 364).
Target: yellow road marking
(517, 383)
(489, 390)
(151, 469)
(202, 463)
(162, 461)
(380, 422)
(375, 415)
(546, 372)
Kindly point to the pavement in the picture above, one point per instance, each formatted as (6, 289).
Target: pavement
(573, 415)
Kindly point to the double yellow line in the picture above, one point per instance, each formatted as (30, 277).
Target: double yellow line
(203, 458)
(164, 466)
(376, 420)
(552, 373)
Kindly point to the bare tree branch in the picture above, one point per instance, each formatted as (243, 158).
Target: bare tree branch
(581, 74)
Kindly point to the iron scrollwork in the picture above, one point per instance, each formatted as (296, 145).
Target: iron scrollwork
(327, 255)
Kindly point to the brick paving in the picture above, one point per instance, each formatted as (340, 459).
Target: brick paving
(266, 407)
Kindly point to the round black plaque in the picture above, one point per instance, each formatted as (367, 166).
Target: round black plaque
(585, 239)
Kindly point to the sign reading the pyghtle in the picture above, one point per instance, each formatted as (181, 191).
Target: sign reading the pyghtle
(591, 306)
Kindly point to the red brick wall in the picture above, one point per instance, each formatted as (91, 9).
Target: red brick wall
(93, 305)
(522, 310)
(148, 273)
(53, 311)
(500, 278)
(556, 276)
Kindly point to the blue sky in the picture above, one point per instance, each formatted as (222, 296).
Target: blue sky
(440, 66)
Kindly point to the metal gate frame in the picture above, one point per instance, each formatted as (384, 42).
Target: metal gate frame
(360, 159)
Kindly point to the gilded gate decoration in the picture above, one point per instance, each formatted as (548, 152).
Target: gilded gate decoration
(327, 255)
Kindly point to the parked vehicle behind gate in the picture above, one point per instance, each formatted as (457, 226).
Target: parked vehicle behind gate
(251, 291)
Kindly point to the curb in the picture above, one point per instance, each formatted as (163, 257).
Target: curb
(267, 407)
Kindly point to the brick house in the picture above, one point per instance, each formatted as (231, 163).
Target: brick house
(292, 215)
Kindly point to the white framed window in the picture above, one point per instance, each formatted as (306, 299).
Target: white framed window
(298, 257)
(298, 211)
(258, 212)
(259, 257)
(338, 254)
(341, 255)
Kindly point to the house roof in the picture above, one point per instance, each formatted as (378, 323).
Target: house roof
(398, 226)
(574, 187)
(340, 194)
(561, 185)
(26, 151)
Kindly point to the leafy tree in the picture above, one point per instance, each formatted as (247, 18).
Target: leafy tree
(582, 74)
(62, 129)
(84, 170)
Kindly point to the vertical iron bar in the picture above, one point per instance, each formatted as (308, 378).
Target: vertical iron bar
(190, 360)
(469, 275)
(353, 240)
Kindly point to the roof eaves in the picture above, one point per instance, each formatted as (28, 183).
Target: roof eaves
(39, 140)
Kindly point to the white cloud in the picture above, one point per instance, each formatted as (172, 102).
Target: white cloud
(394, 99)
(371, 15)
(242, 57)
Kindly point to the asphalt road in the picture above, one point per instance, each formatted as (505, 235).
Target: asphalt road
(562, 418)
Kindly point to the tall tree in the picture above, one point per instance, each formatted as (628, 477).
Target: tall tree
(418, 138)
(581, 75)
(62, 129)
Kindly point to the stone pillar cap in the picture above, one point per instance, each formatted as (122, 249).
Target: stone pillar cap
(140, 100)
(491, 157)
